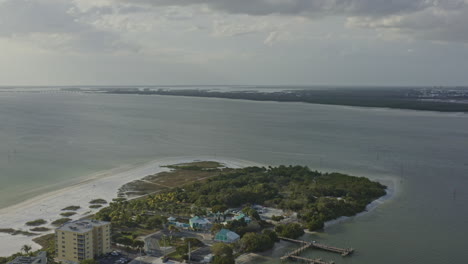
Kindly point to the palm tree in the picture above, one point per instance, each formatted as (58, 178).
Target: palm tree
(26, 248)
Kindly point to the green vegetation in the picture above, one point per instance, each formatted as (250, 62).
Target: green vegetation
(197, 166)
(291, 230)
(61, 221)
(142, 216)
(98, 201)
(277, 218)
(4, 260)
(238, 226)
(68, 214)
(37, 222)
(181, 174)
(71, 208)
(94, 206)
(40, 229)
(223, 254)
(251, 212)
(317, 197)
(129, 238)
(47, 244)
(15, 232)
(255, 242)
(400, 98)
(181, 252)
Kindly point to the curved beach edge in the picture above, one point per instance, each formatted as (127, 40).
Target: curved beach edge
(101, 185)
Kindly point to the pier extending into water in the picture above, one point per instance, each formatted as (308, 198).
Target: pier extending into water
(294, 255)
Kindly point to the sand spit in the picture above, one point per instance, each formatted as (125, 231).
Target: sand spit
(103, 185)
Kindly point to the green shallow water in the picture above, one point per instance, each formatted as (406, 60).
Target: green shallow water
(50, 140)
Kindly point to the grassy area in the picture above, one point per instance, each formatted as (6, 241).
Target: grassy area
(71, 208)
(68, 214)
(15, 232)
(198, 165)
(45, 240)
(40, 229)
(182, 248)
(317, 197)
(176, 256)
(94, 206)
(98, 201)
(180, 175)
(37, 222)
(61, 221)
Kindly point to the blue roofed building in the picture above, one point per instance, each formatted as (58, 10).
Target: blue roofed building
(199, 223)
(226, 236)
(240, 216)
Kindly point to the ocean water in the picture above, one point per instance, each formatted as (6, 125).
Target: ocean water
(49, 140)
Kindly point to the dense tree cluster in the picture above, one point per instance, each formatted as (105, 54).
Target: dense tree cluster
(367, 97)
(291, 230)
(317, 197)
(258, 242)
(223, 254)
(252, 213)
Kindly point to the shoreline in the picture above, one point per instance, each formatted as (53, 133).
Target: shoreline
(386, 107)
(391, 192)
(105, 185)
(101, 185)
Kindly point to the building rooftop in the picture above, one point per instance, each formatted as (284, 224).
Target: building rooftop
(223, 231)
(40, 259)
(199, 220)
(82, 226)
(228, 233)
(242, 215)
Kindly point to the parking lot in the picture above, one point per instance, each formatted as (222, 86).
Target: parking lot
(152, 260)
(114, 257)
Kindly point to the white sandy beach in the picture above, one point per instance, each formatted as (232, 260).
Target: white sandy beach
(100, 185)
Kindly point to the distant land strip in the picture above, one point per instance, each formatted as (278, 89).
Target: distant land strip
(425, 99)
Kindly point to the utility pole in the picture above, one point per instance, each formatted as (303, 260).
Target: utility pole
(140, 256)
(189, 251)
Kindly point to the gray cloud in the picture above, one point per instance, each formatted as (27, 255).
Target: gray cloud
(440, 20)
(22, 16)
(302, 7)
(445, 22)
(58, 22)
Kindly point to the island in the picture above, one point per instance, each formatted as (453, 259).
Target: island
(441, 99)
(206, 207)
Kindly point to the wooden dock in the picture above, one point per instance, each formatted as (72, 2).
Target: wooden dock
(311, 261)
(305, 245)
(293, 255)
(344, 252)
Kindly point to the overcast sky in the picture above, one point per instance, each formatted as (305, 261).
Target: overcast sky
(342, 42)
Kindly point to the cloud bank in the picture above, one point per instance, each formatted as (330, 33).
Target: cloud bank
(439, 20)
